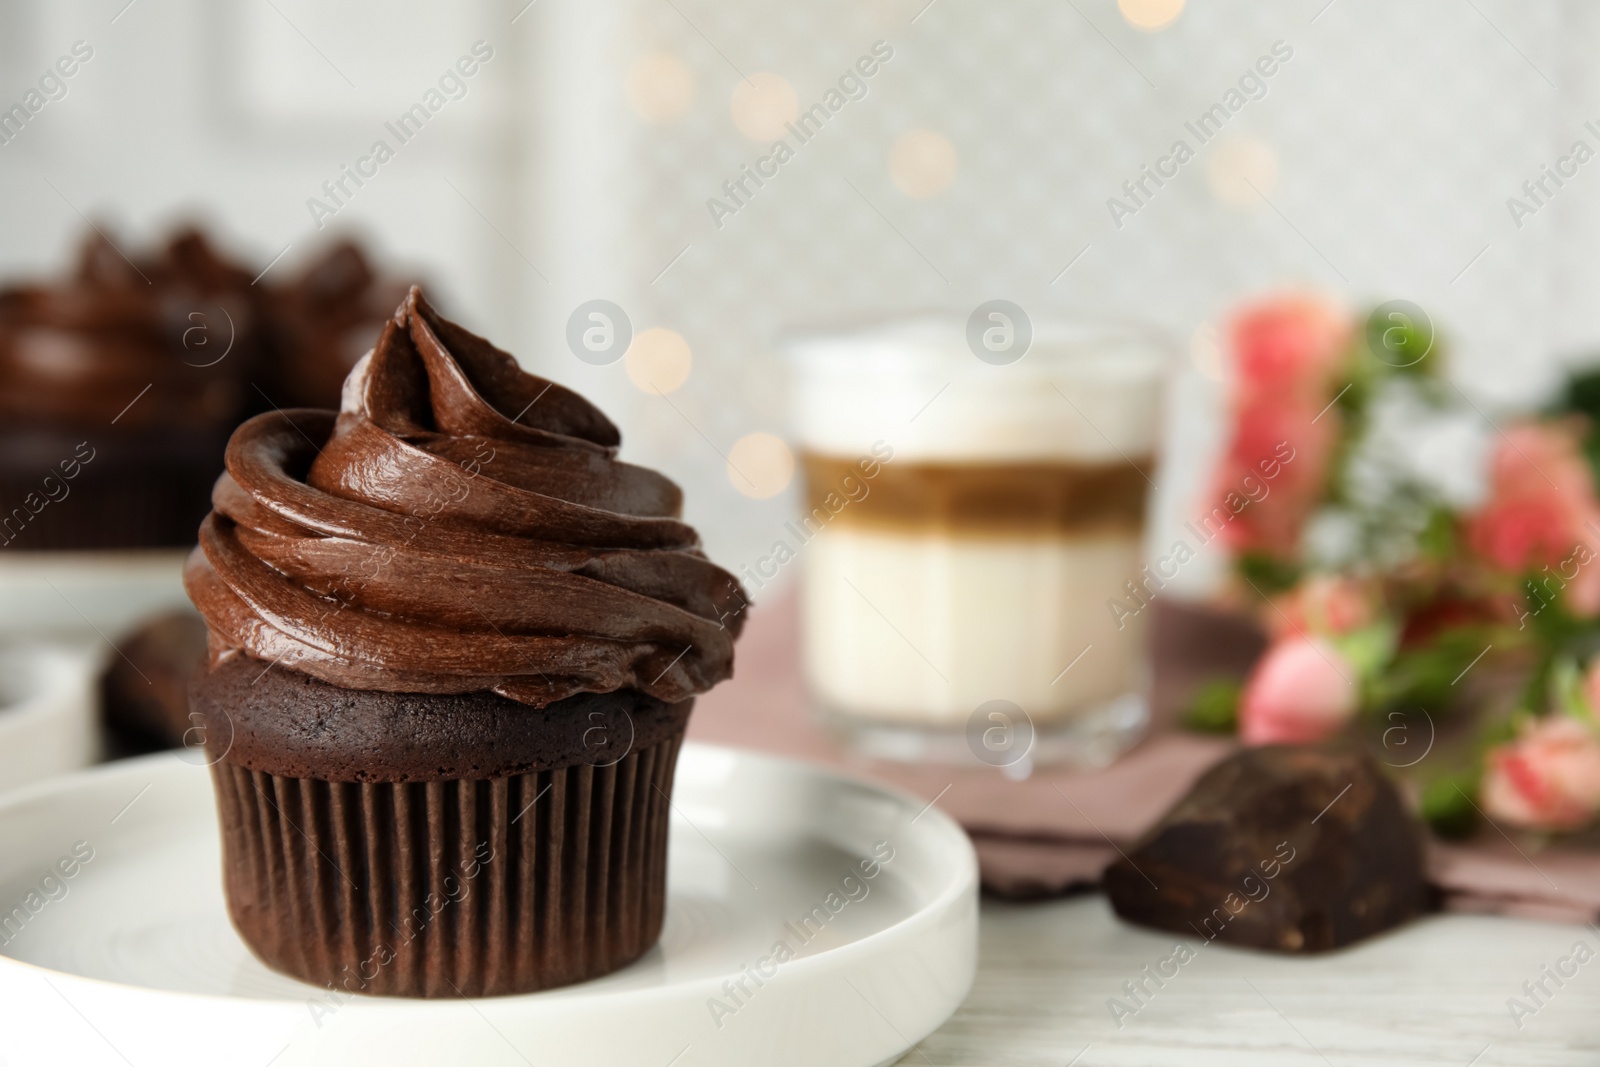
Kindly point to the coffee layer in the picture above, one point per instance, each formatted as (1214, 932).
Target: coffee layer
(988, 499)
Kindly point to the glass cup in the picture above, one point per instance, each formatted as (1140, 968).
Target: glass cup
(972, 538)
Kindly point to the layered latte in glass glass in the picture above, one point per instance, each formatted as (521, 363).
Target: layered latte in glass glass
(969, 537)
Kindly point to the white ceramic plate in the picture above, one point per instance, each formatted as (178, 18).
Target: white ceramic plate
(48, 711)
(134, 961)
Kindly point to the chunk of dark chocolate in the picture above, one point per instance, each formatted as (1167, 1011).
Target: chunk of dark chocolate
(1294, 848)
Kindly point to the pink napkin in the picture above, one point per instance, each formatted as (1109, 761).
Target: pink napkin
(1057, 830)
(1497, 877)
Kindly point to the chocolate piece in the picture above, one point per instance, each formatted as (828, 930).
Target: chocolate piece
(1294, 848)
(461, 526)
(145, 690)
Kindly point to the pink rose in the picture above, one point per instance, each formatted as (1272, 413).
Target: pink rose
(1542, 512)
(1272, 476)
(1583, 592)
(1287, 352)
(1287, 346)
(1547, 779)
(1301, 690)
(1327, 604)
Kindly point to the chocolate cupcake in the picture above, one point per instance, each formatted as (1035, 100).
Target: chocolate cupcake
(454, 647)
(118, 387)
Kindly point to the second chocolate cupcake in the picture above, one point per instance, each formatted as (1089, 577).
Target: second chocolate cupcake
(118, 386)
(454, 646)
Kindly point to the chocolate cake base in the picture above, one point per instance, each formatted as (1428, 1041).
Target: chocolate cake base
(429, 845)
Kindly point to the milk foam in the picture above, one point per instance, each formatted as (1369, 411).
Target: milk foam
(1080, 393)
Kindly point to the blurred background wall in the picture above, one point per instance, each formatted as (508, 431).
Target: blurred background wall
(1375, 162)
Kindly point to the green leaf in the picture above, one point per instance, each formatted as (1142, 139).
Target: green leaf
(1438, 539)
(1215, 708)
(1504, 729)
(1582, 394)
(1566, 688)
(1427, 674)
(1447, 805)
(1557, 636)
(1370, 648)
(1268, 573)
(1398, 343)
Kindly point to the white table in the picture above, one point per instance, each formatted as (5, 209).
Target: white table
(1434, 992)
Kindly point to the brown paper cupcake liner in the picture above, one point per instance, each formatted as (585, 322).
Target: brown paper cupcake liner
(125, 491)
(453, 887)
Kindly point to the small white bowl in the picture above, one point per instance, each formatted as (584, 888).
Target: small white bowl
(48, 711)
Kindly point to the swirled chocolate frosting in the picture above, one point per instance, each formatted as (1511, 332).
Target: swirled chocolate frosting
(461, 525)
(80, 350)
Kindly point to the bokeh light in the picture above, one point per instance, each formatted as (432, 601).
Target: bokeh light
(1242, 169)
(760, 465)
(1150, 14)
(660, 87)
(658, 360)
(923, 164)
(762, 103)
